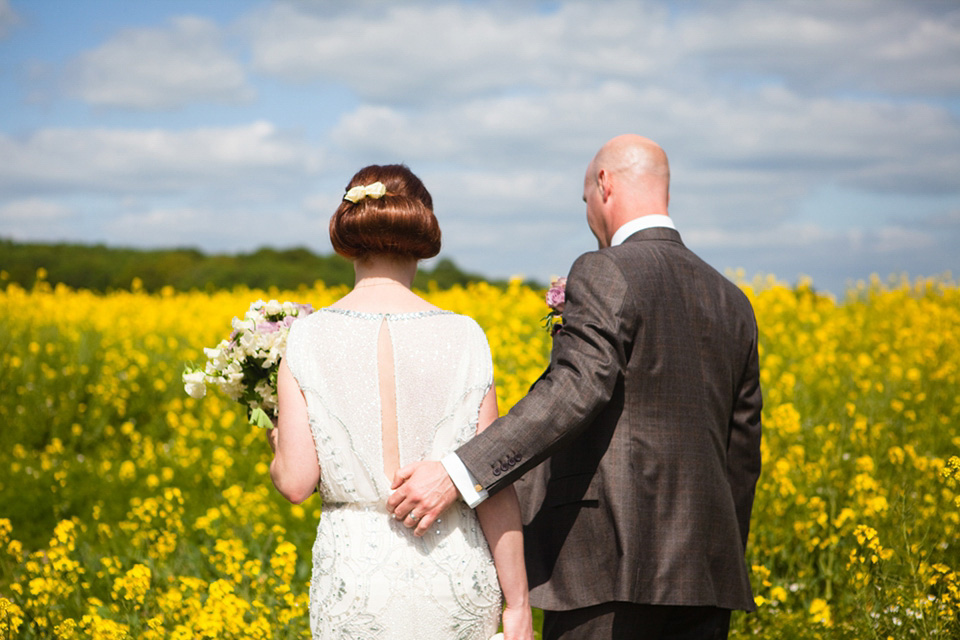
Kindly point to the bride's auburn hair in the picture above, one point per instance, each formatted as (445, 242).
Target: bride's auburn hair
(400, 223)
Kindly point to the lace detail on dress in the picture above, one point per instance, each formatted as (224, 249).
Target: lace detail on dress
(372, 578)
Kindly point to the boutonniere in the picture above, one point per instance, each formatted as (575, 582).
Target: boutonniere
(556, 297)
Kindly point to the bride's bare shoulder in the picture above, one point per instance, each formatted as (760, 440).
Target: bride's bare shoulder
(385, 302)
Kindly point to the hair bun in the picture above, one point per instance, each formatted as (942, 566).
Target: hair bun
(402, 224)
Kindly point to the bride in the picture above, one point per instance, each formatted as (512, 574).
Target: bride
(380, 379)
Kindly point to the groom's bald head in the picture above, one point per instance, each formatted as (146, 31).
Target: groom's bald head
(638, 161)
(631, 178)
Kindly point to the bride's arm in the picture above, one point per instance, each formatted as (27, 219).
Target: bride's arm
(295, 471)
(500, 519)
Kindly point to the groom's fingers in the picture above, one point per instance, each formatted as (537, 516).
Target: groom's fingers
(427, 513)
(438, 494)
(420, 489)
(424, 524)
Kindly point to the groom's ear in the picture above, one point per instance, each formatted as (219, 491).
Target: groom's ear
(603, 184)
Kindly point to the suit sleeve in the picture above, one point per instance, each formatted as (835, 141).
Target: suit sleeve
(589, 356)
(743, 446)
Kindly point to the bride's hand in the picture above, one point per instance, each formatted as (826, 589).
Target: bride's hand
(272, 438)
(517, 623)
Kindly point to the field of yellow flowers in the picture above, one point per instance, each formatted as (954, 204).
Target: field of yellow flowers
(129, 510)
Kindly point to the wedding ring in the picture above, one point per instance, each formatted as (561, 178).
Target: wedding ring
(412, 517)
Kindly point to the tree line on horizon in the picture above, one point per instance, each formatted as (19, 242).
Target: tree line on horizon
(101, 269)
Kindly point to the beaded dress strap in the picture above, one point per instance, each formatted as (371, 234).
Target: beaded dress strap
(368, 315)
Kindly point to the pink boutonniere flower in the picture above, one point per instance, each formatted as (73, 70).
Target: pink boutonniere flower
(556, 299)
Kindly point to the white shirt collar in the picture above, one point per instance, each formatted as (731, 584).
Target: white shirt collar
(638, 224)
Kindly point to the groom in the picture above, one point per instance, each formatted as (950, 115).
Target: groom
(642, 437)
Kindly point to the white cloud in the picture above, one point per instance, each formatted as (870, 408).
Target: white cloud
(160, 68)
(427, 51)
(895, 239)
(885, 239)
(554, 129)
(222, 229)
(505, 192)
(245, 158)
(833, 258)
(946, 222)
(880, 45)
(424, 52)
(479, 86)
(167, 226)
(36, 219)
(33, 210)
(8, 18)
(737, 158)
(520, 87)
(798, 142)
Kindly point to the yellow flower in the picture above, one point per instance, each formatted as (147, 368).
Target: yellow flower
(820, 612)
(11, 617)
(133, 585)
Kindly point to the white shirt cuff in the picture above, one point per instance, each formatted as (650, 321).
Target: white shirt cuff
(471, 492)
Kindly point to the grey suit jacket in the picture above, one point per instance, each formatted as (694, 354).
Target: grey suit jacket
(647, 425)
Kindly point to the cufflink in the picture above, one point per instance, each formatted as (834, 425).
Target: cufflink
(478, 488)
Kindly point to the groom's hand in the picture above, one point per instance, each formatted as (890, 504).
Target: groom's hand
(423, 491)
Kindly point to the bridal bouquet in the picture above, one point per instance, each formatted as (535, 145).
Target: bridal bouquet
(556, 297)
(245, 365)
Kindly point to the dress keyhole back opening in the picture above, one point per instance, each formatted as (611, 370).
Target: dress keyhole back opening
(388, 403)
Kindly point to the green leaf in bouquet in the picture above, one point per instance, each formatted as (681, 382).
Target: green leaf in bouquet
(260, 418)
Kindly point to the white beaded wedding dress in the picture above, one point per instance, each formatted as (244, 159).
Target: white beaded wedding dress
(372, 578)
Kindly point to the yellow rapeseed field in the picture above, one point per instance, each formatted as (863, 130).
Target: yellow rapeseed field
(129, 510)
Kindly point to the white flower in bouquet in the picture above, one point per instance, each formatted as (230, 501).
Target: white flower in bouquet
(273, 308)
(244, 367)
(194, 384)
(216, 358)
(267, 396)
(230, 379)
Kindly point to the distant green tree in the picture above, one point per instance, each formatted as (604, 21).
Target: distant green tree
(444, 274)
(101, 268)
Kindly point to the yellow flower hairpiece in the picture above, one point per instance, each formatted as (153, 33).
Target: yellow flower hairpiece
(358, 193)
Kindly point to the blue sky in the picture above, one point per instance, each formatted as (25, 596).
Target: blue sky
(811, 138)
